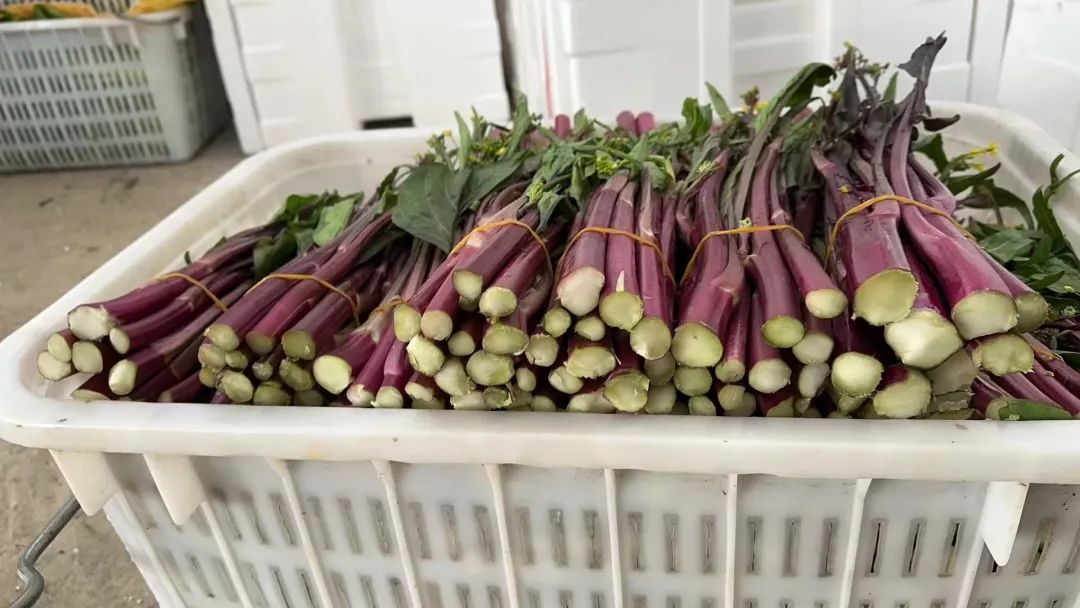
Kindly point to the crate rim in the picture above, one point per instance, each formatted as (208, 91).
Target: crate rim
(942, 450)
(108, 21)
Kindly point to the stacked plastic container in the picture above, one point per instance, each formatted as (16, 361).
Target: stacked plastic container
(611, 55)
(378, 60)
(223, 506)
(1041, 71)
(368, 60)
(107, 90)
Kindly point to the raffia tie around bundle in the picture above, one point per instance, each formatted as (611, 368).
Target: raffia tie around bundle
(197, 283)
(353, 305)
(640, 240)
(387, 306)
(734, 231)
(482, 228)
(903, 200)
(396, 301)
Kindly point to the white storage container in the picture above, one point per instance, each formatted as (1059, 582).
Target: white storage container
(612, 55)
(1040, 73)
(333, 507)
(107, 91)
(295, 70)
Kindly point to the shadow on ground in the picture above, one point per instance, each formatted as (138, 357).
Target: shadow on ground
(58, 227)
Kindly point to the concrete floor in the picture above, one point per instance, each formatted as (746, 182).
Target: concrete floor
(57, 228)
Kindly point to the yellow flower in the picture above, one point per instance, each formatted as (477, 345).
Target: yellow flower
(704, 167)
(606, 166)
(991, 149)
(846, 189)
(535, 189)
(446, 133)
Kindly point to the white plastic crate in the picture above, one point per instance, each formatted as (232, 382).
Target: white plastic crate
(107, 91)
(332, 507)
(612, 55)
(368, 59)
(1040, 73)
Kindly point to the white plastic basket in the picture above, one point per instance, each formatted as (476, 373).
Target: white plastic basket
(107, 91)
(332, 507)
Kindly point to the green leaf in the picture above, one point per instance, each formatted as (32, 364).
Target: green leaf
(483, 180)
(1040, 202)
(270, 253)
(1025, 409)
(641, 150)
(558, 159)
(661, 171)
(962, 182)
(385, 193)
(1054, 164)
(719, 105)
(937, 123)
(187, 258)
(456, 187)
(428, 203)
(933, 147)
(697, 118)
(547, 205)
(305, 239)
(981, 230)
(521, 123)
(796, 91)
(1067, 284)
(333, 219)
(890, 89)
(922, 58)
(578, 186)
(1042, 252)
(1006, 245)
(1063, 179)
(796, 164)
(1005, 198)
(530, 163)
(1044, 217)
(582, 122)
(727, 194)
(479, 125)
(1071, 358)
(1045, 281)
(1062, 307)
(464, 141)
(295, 205)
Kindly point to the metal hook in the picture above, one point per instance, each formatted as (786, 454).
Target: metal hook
(28, 572)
